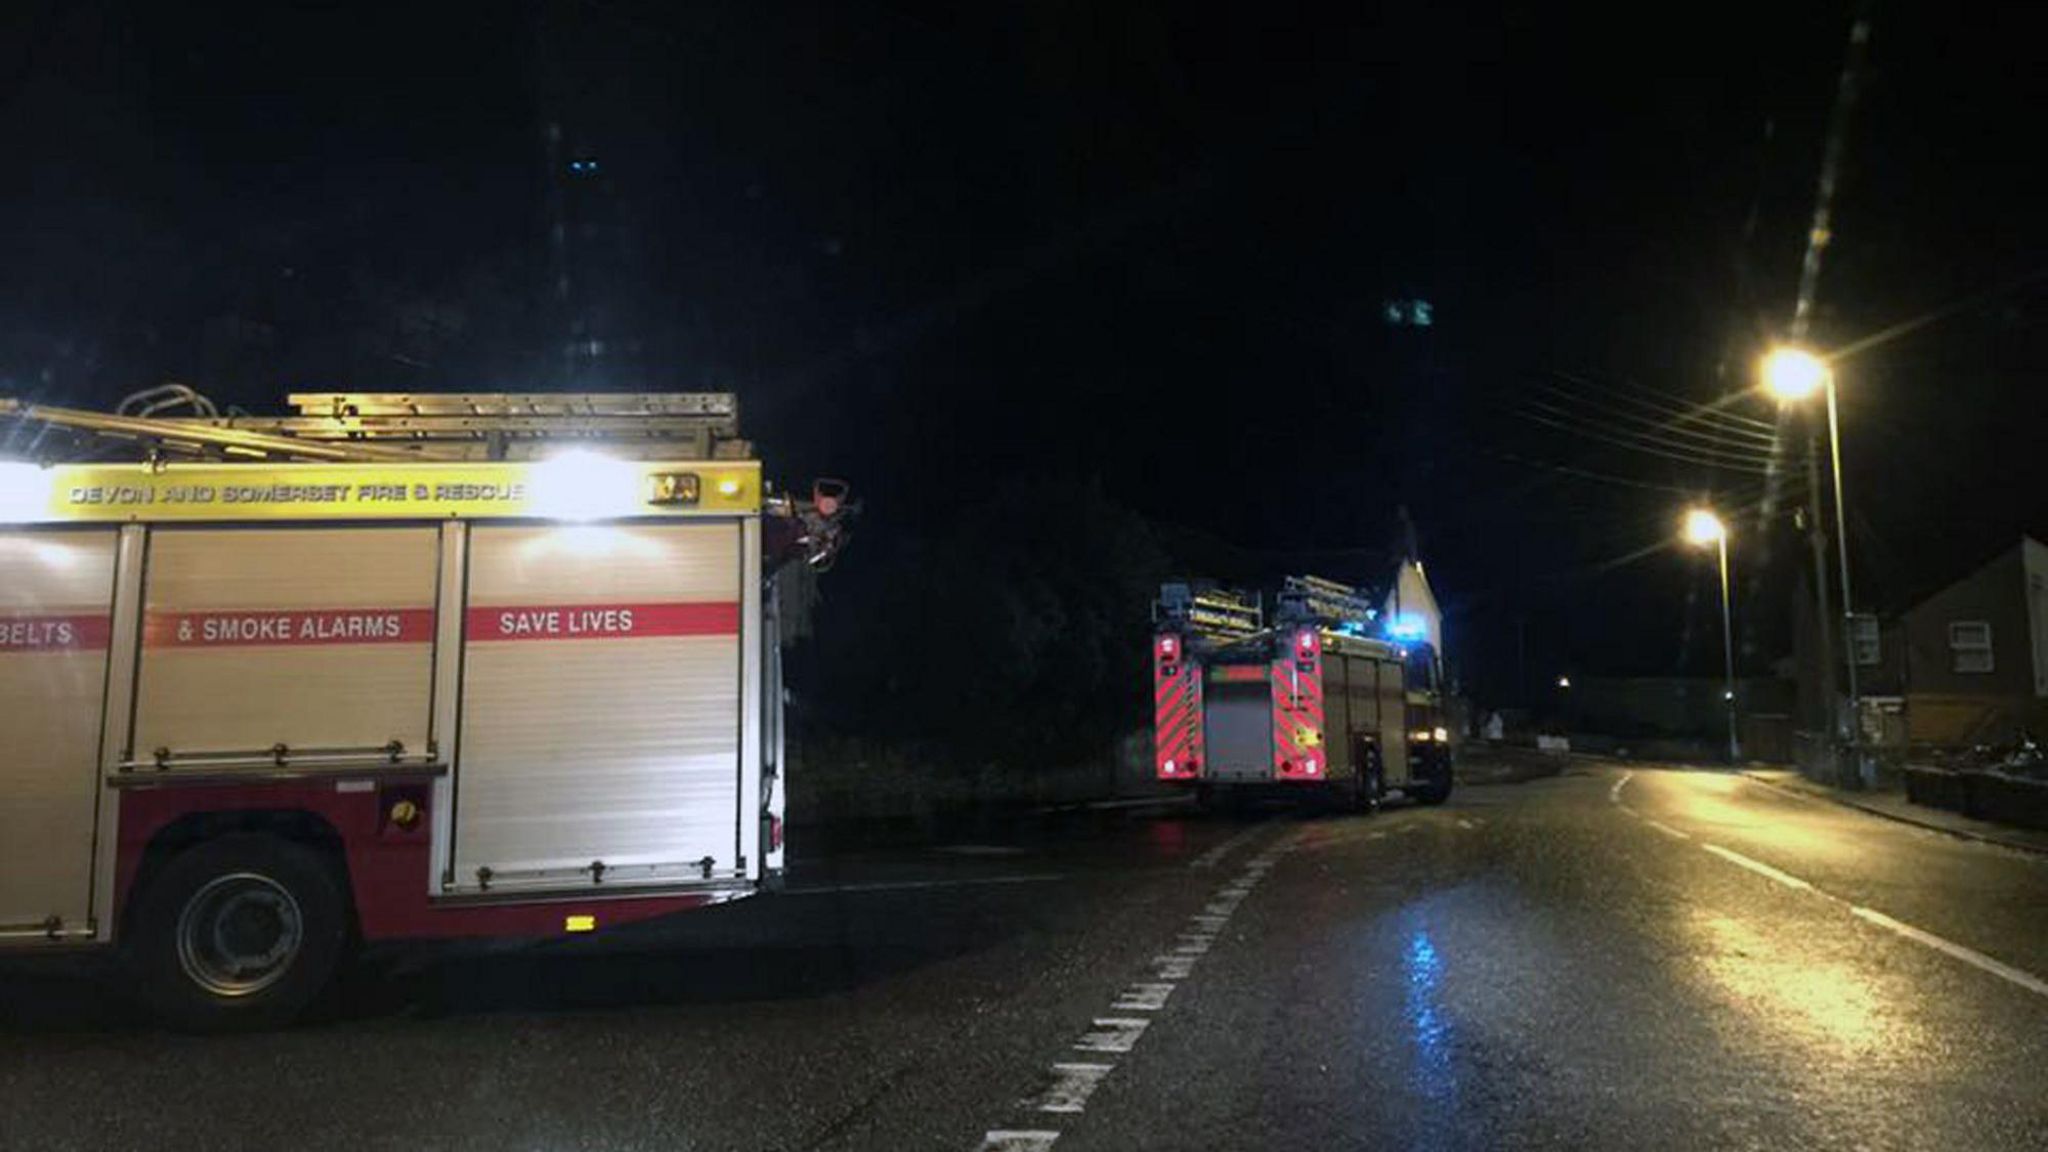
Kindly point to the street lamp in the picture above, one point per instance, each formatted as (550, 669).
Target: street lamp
(1702, 528)
(1793, 375)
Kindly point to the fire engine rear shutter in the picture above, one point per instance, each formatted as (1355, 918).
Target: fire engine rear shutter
(600, 705)
(313, 638)
(56, 590)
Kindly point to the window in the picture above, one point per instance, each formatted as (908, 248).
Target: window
(1969, 644)
(1863, 634)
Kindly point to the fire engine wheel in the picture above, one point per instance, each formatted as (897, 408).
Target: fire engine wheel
(1435, 789)
(238, 933)
(1371, 788)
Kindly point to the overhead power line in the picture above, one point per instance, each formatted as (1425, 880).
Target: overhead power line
(1719, 441)
(1709, 416)
(1636, 446)
(1649, 443)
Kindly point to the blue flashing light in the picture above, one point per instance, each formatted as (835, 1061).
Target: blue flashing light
(1407, 626)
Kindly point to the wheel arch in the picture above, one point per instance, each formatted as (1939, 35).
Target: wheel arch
(183, 833)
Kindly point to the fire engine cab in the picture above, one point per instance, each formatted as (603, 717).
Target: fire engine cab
(398, 666)
(1331, 695)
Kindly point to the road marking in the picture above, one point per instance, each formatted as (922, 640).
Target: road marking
(1214, 856)
(1614, 793)
(1143, 998)
(1968, 956)
(1071, 1086)
(1759, 867)
(1004, 1140)
(1950, 948)
(1112, 1034)
(918, 885)
(1660, 826)
(1375, 836)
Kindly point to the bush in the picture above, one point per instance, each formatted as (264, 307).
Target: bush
(1017, 639)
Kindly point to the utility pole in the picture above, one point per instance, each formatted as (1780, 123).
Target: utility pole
(1818, 236)
(1824, 618)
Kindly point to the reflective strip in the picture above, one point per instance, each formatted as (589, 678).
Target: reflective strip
(604, 621)
(26, 632)
(288, 627)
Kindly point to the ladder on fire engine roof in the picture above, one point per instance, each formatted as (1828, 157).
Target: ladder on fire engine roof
(416, 426)
(1216, 614)
(1311, 599)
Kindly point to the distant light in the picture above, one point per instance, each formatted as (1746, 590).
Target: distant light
(1727, 694)
(583, 167)
(1440, 734)
(1703, 527)
(1408, 313)
(1564, 681)
(1793, 374)
(579, 923)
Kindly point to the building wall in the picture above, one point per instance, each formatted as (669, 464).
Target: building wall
(1995, 594)
(2034, 555)
(1946, 708)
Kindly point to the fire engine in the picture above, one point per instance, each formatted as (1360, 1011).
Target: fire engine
(1331, 696)
(397, 666)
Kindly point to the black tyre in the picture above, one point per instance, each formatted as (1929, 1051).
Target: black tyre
(1433, 785)
(1371, 787)
(239, 933)
(1433, 792)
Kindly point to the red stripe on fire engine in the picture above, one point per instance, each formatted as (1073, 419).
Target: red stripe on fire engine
(1177, 716)
(275, 628)
(1170, 696)
(29, 632)
(605, 621)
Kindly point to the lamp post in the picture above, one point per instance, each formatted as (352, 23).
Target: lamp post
(1702, 528)
(1793, 375)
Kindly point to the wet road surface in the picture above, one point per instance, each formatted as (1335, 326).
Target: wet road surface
(1608, 959)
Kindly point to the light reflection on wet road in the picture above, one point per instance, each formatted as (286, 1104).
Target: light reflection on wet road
(1684, 960)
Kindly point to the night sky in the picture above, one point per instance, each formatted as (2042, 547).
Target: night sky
(936, 248)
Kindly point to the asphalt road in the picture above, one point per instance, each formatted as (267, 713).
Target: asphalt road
(1601, 960)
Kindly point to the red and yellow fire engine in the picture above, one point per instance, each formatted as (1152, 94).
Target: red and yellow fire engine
(393, 667)
(1331, 695)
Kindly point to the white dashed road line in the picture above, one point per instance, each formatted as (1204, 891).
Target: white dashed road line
(1666, 829)
(1071, 1086)
(1760, 868)
(1614, 793)
(1946, 947)
(1214, 856)
(1968, 956)
(1143, 998)
(1112, 1034)
(1004, 1140)
(1068, 1085)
